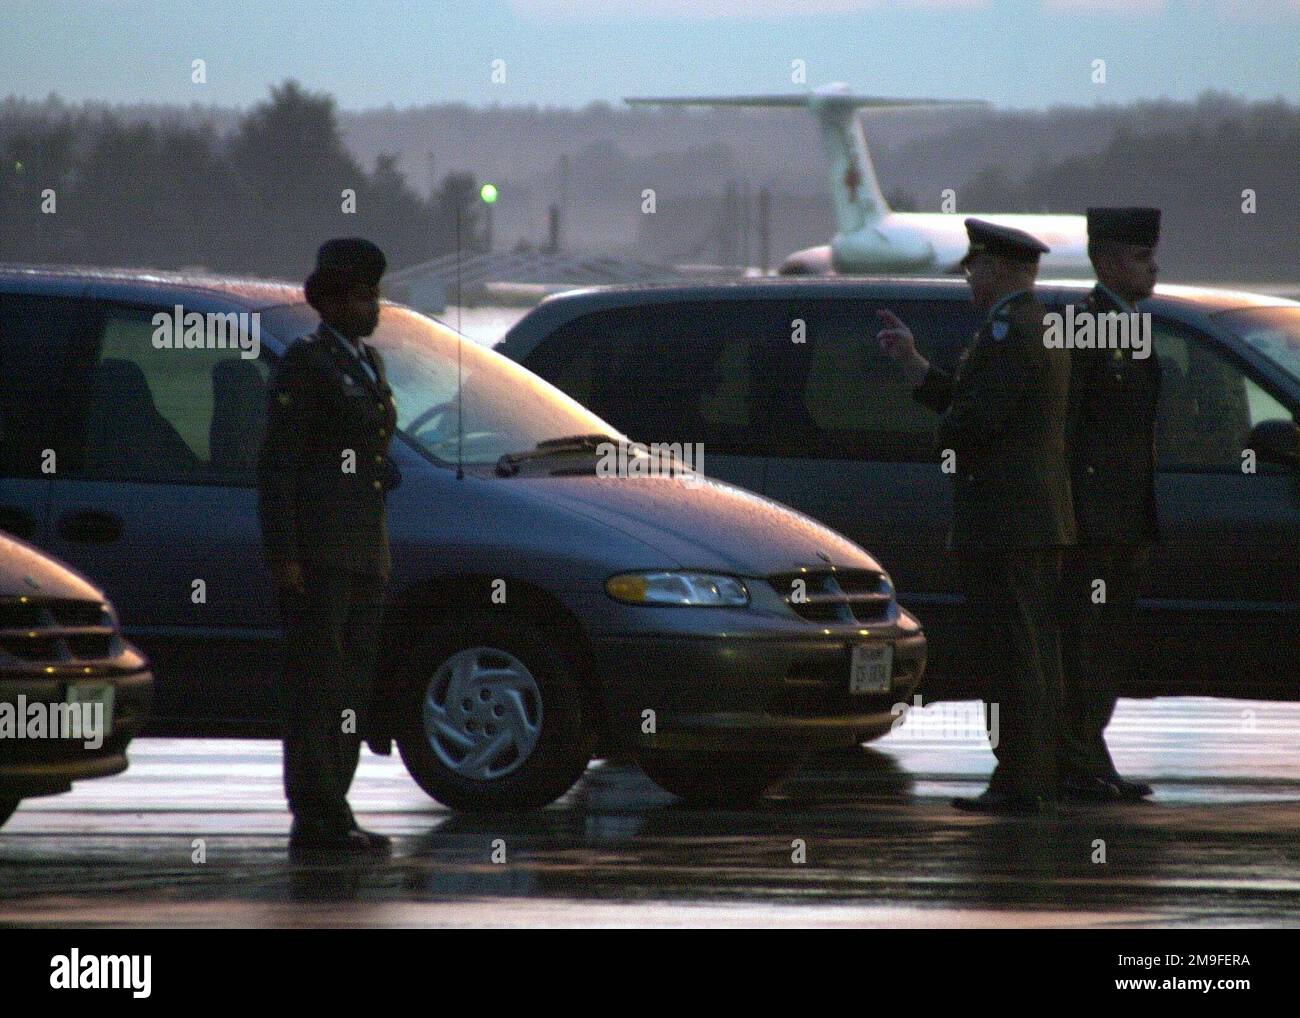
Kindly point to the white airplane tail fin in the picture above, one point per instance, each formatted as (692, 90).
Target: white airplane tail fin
(855, 191)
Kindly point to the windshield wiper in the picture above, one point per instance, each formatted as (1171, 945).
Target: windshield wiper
(509, 464)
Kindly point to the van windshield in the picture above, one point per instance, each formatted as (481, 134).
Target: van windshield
(507, 409)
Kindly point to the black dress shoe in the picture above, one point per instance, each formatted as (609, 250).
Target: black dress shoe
(1131, 791)
(354, 843)
(1002, 804)
(1085, 788)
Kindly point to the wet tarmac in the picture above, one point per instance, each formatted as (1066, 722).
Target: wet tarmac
(194, 835)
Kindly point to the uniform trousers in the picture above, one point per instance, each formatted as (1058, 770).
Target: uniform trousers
(1011, 634)
(332, 635)
(1098, 641)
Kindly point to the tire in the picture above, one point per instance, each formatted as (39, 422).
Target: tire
(453, 711)
(717, 778)
(7, 807)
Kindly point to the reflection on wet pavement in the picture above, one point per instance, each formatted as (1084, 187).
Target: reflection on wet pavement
(194, 834)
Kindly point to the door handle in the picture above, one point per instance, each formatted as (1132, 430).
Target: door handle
(90, 526)
(17, 521)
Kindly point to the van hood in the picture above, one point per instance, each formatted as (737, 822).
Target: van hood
(708, 524)
(26, 572)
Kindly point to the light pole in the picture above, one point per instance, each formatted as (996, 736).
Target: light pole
(488, 192)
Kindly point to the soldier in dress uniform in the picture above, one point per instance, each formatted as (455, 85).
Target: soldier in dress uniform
(323, 474)
(1003, 429)
(1110, 438)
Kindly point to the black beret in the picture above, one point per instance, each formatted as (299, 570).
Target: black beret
(1126, 225)
(1003, 241)
(343, 261)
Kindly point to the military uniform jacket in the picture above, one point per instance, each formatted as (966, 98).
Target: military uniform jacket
(324, 468)
(1004, 410)
(1110, 438)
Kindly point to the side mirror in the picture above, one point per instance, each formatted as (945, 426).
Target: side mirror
(1277, 441)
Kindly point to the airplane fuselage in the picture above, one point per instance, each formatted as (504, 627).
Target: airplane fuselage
(909, 242)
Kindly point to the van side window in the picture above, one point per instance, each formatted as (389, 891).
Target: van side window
(687, 372)
(857, 403)
(567, 361)
(85, 393)
(1208, 405)
(45, 361)
(167, 414)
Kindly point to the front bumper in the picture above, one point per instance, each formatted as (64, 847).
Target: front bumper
(32, 766)
(750, 691)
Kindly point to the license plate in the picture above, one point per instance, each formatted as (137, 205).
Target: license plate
(92, 693)
(872, 668)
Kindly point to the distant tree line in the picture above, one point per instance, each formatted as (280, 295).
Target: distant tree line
(1228, 191)
(256, 191)
(256, 199)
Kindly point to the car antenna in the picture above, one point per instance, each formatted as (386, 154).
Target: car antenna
(460, 339)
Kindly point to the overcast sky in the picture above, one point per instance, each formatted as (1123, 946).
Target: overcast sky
(1026, 53)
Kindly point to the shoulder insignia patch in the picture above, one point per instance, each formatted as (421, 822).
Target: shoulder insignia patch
(999, 329)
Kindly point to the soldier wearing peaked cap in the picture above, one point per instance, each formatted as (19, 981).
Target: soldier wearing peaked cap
(323, 474)
(1003, 416)
(1110, 437)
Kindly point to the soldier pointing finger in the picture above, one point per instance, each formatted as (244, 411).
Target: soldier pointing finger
(1003, 418)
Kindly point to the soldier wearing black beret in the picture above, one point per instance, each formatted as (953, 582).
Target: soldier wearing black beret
(1110, 437)
(1003, 421)
(323, 474)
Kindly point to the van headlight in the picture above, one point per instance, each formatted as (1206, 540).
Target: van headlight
(706, 589)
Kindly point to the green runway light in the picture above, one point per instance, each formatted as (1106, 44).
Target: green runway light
(488, 192)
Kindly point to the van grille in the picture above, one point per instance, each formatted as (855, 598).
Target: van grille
(835, 595)
(55, 631)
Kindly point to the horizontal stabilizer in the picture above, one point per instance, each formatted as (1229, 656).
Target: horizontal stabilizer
(803, 100)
